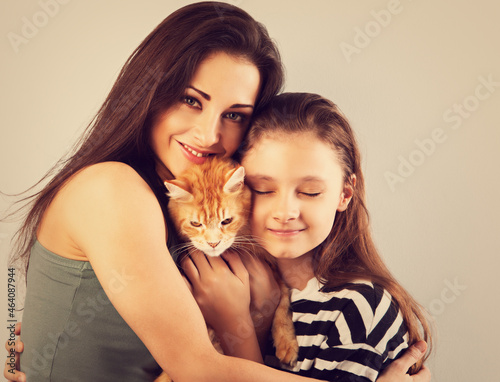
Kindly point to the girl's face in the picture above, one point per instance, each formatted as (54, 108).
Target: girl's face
(211, 118)
(297, 185)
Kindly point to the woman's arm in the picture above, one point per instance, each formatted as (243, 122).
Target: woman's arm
(396, 372)
(217, 308)
(113, 217)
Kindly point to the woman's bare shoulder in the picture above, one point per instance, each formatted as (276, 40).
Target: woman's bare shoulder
(96, 197)
(108, 184)
(107, 173)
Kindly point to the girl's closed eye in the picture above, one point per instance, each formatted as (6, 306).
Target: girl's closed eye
(310, 194)
(262, 192)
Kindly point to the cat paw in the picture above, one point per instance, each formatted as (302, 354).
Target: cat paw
(288, 351)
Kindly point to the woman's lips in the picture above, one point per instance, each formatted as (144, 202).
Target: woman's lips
(194, 156)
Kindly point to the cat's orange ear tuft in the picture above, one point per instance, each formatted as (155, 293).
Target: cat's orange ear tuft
(235, 181)
(176, 192)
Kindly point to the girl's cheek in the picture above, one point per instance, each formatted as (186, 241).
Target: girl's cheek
(257, 218)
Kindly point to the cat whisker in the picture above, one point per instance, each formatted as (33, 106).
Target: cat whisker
(181, 251)
(254, 251)
(244, 250)
(250, 241)
(246, 239)
(180, 247)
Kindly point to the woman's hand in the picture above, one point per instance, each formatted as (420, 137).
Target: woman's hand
(221, 287)
(11, 372)
(265, 294)
(396, 372)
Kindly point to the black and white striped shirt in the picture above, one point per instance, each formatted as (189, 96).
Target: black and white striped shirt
(346, 335)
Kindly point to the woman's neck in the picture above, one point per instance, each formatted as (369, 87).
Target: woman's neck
(296, 272)
(163, 172)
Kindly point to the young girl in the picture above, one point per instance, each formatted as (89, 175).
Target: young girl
(351, 317)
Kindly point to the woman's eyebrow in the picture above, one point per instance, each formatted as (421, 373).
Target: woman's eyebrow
(239, 105)
(203, 94)
(208, 98)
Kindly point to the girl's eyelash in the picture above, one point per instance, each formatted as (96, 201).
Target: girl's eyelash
(312, 194)
(262, 192)
(308, 194)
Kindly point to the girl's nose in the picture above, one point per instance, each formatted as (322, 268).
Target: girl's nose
(286, 209)
(209, 130)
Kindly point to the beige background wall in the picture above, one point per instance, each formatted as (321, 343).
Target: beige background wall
(420, 81)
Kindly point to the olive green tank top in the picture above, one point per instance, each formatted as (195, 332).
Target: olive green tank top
(72, 332)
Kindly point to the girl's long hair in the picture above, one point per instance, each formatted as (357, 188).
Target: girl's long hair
(348, 253)
(153, 79)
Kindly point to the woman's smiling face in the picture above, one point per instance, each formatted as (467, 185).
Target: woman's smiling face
(212, 117)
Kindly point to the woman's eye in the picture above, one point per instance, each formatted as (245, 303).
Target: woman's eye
(195, 224)
(191, 101)
(235, 116)
(226, 221)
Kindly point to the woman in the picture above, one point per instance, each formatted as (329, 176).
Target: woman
(105, 300)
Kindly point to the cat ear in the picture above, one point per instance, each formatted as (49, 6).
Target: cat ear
(178, 193)
(235, 181)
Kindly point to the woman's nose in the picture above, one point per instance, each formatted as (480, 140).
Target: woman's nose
(209, 130)
(286, 209)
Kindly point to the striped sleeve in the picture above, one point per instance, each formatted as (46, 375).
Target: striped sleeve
(347, 335)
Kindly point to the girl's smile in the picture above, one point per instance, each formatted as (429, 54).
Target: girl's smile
(298, 186)
(285, 233)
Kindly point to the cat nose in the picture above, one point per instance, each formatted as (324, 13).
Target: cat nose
(213, 245)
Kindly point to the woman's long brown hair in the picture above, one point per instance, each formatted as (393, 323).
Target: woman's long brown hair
(348, 253)
(153, 79)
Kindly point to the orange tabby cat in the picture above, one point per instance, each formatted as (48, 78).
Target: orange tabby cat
(209, 205)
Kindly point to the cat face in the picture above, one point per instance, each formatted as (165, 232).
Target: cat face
(209, 205)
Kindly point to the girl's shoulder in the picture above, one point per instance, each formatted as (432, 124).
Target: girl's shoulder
(364, 309)
(360, 298)
(363, 292)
